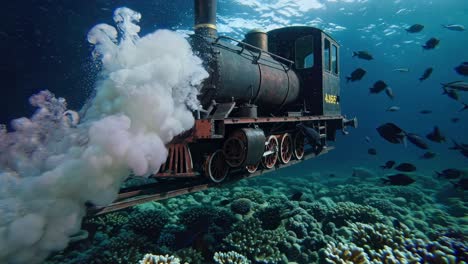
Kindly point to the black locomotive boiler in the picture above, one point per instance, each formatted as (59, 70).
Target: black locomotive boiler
(271, 100)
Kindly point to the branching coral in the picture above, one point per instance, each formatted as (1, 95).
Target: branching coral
(230, 257)
(345, 254)
(159, 259)
(348, 211)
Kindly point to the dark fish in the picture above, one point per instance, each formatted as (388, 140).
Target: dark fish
(388, 165)
(224, 202)
(378, 87)
(389, 93)
(399, 179)
(425, 112)
(465, 106)
(428, 155)
(462, 69)
(368, 140)
(356, 75)
(455, 120)
(415, 28)
(426, 74)
(451, 93)
(313, 137)
(372, 151)
(450, 174)
(417, 140)
(463, 148)
(431, 43)
(435, 135)
(296, 196)
(396, 224)
(462, 184)
(363, 55)
(456, 85)
(406, 167)
(391, 132)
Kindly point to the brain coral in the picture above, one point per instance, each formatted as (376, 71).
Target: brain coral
(241, 206)
(148, 222)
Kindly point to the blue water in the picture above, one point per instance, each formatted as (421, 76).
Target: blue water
(50, 51)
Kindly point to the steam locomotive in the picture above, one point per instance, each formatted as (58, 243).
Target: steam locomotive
(272, 99)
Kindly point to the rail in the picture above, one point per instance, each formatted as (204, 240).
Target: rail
(164, 190)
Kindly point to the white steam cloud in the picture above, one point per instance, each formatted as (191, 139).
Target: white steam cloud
(52, 163)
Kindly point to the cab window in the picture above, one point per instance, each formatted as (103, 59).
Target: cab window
(304, 52)
(334, 59)
(326, 55)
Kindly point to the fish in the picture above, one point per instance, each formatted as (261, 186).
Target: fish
(389, 93)
(297, 196)
(378, 87)
(224, 202)
(396, 224)
(454, 27)
(417, 140)
(399, 179)
(456, 85)
(363, 173)
(388, 165)
(436, 135)
(393, 109)
(450, 174)
(428, 155)
(461, 184)
(356, 75)
(465, 106)
(415, 28)
(427, 73)
(372, 151)
(313, 137)
(425, 112)
(431, 43)
(454, 119)
(463, 148)
(391, 132)
(462, 69)
(368, 140)
(406, 167)
(451, 93)
(362, 54)
(401, 69)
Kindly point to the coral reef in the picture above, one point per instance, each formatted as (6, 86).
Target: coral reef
(159, 259)
(348, 211)
(257, 223)
(241, 206)
(344, 254)
(249, 239)
(148, 222)
(230, 257)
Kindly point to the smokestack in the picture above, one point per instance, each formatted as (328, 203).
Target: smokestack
(205, 18)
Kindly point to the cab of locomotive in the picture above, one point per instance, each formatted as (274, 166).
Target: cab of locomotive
(316, 62)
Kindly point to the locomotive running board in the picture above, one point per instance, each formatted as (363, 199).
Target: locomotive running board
(169, 188)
